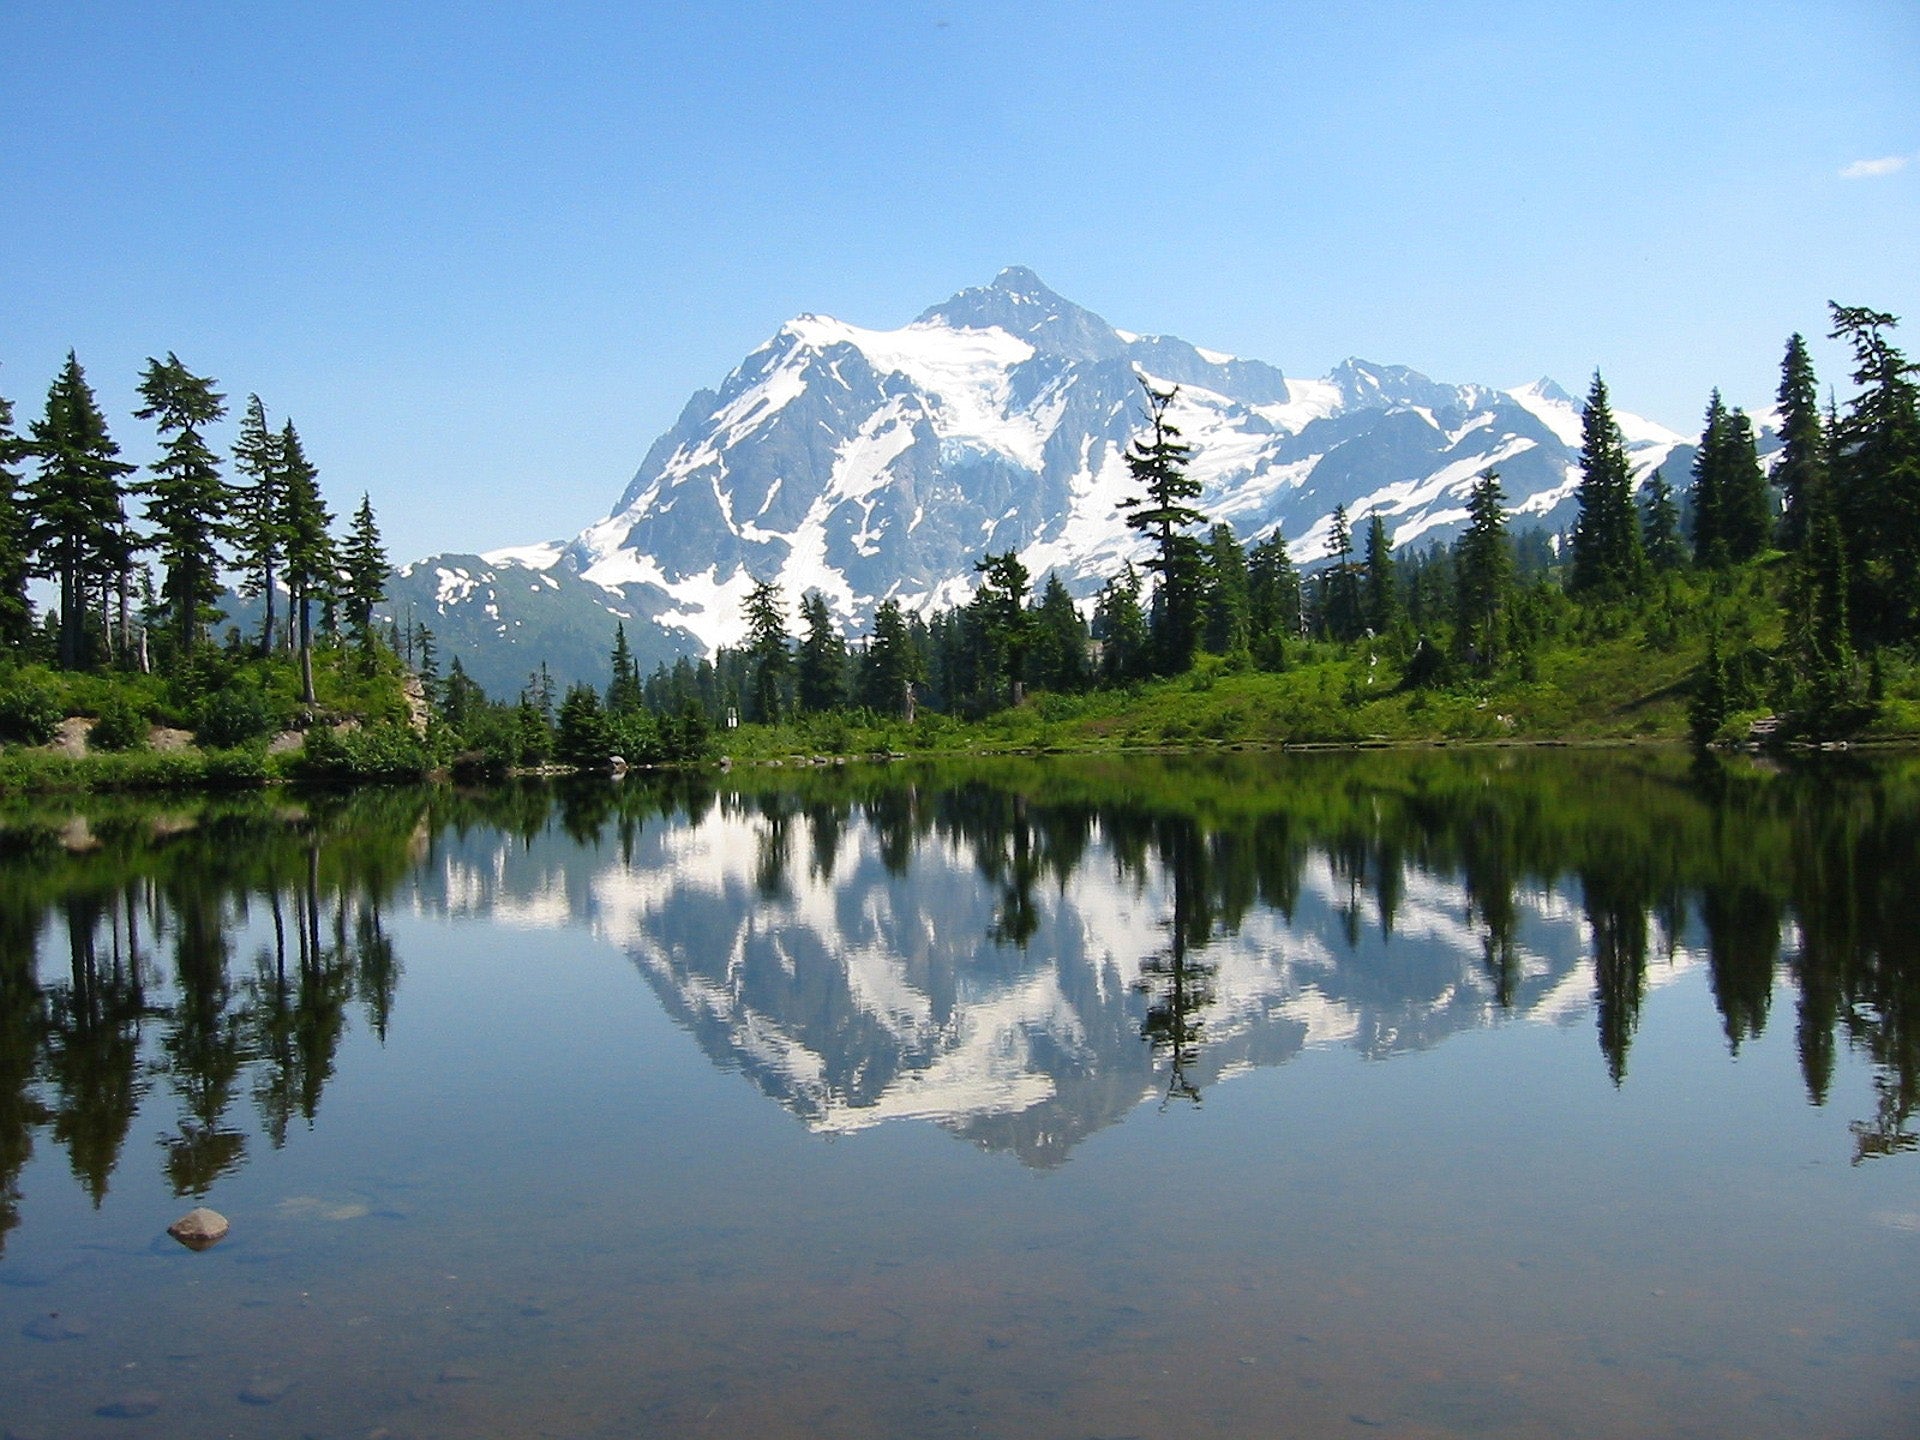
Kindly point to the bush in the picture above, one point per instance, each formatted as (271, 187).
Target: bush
(379, 752)
(29, 713)
(121, 726)
(233, 715)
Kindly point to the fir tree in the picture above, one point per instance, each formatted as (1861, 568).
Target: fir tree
(582, 738)
(16, 611)
(893, 663)
(1660, 526)
(999, 609)
(1746, 507)
(1059, 659)
(363, 564)
(623, 689)
(1120, 625)
(1876, 479)
(1381, 602)
(1706, 497)
(1228, 605)
(1273, 599)
(309, 563)
(78, 529)
(188, 503)
(259, 544)
(1608, 562)
(820, 672)
(1483, 578)
(1801, 467)
(1158, 463)
(1341, 616)
(768, 653)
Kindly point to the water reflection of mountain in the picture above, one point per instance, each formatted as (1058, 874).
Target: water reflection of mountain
(1023, 952)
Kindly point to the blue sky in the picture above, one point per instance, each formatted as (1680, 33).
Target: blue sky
(482, 255)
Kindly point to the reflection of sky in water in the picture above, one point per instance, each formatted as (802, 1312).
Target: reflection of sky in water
(547, 1202)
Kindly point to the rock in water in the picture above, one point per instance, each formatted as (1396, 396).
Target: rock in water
(199, 1228)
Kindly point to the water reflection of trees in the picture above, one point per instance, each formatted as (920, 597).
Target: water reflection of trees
(211, 957)
(118, 973)
(1805, 869)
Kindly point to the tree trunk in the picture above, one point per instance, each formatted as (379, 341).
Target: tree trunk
(306, 651)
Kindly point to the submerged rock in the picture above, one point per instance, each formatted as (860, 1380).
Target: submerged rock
(265, 1389)
(134, 1405)
(54, 1327)
(199, 1228)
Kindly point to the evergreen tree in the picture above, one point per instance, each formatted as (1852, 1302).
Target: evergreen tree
(1341, 616)
(462, 701)
(1059, 659)
(16, 610)
(1707, 497)
(1002, 625)
(582, 738)
(308, 562)
(1273, 600)
(769, 657)
(1660, 526)
(1608, 562)
(1483, 578)
(78, 529)
(259, 543)
(1801, 467)
(1876, 475)
(363, 564)
(188, 503)
(1120, 625)
(1746, 506)
(821, 670)
(624, 694)
(1817, 628)
(1158, 464)
(1228, 602)
(1381, 602)
(893, 663)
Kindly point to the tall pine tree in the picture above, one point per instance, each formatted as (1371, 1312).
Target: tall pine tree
(820, 671)
(309, 563)
(259, 544)
(1801, 468)
(1876, 475)
(16, 611)
(363, 567)
(1381, 602)
(1158, 462)
(188, 503)
(1608, 562)
(78, 529)
(768, 652)
(1483, 578)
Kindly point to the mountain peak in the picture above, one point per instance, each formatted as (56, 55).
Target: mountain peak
(1019, 302)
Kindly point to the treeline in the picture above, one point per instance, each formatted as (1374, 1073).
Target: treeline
(1820, 552)
(256, 515)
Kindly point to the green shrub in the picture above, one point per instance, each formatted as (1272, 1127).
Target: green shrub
(379, 752)
(233, 715)
(121, 726)
(29, 713)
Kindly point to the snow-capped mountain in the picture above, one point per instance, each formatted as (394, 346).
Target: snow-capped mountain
(868, 464)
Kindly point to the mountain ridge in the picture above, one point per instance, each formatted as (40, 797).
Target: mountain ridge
(880, 464)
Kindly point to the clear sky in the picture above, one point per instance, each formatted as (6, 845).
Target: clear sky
(482, 254)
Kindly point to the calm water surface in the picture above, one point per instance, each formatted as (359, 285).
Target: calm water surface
(1522, 1094)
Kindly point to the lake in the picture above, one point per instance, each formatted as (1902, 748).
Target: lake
(1509, 1093)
